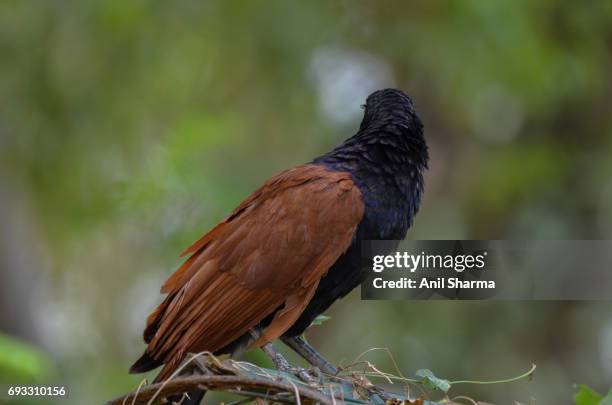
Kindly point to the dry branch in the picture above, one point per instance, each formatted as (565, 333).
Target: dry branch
(252, 382)
(236, 384)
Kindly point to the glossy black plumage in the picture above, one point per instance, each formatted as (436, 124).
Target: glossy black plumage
(386, 159)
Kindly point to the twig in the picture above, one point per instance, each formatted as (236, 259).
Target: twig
(526, 374)
(142, 384)
(174, 374)
(219, 383)
(471, 401)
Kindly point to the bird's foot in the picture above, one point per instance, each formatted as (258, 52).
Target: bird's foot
(309, 376)
(277, 358)
(304, 349)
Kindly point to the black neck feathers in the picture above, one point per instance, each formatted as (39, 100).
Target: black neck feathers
(386, 159)
(390, 134)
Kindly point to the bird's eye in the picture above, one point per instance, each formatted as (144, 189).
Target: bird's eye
(363, 106)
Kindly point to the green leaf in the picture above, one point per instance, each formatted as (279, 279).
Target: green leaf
(319, 320)
(586, 396)
(607, 399)
(430, 381)
(21, 362)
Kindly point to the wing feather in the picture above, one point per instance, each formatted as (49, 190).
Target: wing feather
(269, 253)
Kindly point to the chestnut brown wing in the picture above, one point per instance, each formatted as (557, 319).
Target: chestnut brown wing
(270, 252)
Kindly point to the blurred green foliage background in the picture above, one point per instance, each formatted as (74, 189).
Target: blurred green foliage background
(127, 129)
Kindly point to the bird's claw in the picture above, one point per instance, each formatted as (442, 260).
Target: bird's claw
(311, 376)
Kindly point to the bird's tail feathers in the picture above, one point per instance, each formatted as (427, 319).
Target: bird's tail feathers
(145, 363)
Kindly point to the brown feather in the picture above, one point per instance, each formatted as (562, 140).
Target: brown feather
(270, 252)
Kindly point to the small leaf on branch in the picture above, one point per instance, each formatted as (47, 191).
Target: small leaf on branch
(586, 396)
(430, 381)
(319, 320)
